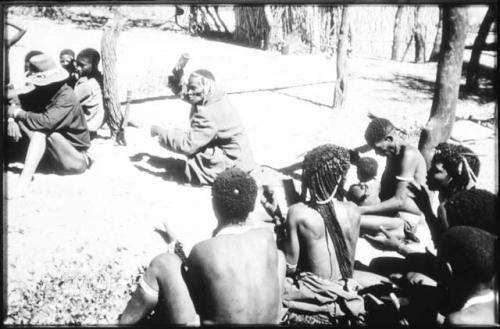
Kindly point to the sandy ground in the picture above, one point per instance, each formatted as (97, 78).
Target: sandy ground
(107, 215)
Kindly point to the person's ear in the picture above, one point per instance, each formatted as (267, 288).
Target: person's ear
(389, 138)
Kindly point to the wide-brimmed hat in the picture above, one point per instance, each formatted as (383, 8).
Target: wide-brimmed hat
(45, 71)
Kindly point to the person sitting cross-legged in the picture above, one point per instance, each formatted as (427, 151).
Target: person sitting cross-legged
(58, 127)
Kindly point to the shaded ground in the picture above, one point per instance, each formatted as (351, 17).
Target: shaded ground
(82, 239)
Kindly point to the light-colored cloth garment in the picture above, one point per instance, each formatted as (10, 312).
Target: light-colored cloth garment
(89, 94)
(310, 294)
(479, 300)
(215, 141)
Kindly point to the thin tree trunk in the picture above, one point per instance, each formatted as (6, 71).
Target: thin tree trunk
(216, 8)
(419, 38)
(111, 31)
(473, 66)
(434, 56)
(217, 26)
(442, 116)
(340, 91)
(407, 47)
(397, 36)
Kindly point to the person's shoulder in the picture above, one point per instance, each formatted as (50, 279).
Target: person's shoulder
(301, 211)
(350, 208)
(66, 96)
(412, 152)
(165, 262)
(479, 314)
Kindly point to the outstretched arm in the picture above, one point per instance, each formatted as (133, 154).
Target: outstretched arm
(19, 34)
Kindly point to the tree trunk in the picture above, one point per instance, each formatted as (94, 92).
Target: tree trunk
(342, 69)
(216, 9)
(217, 26)
(434, 56)
(419, 38)
(111, 31)
(442, 116)
(397, 36)
(473, 66)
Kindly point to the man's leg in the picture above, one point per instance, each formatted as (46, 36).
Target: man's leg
(370, 224)
(69, 159)
(36, 149)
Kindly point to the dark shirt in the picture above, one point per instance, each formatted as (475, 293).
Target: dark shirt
(64, 115)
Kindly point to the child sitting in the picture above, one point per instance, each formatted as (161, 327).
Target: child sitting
(88, 88)
(366, 192)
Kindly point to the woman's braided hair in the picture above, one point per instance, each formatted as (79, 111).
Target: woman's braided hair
(321, 170)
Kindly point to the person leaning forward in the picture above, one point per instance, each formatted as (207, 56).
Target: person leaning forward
(216, 139)
(59, 127)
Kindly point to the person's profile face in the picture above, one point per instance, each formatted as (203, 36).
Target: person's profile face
(84, 66)
(437, 176)
(66, 61)
(194, 90)
(382, 147)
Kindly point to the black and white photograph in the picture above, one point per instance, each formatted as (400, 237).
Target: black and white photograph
(249, 164)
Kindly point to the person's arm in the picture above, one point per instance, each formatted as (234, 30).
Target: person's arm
(84, 92)
(399, 201)
(144, 299)
(290, 243)
(51, 118)
(189, 142)
(389, 243)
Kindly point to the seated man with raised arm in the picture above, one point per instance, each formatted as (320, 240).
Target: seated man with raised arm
(404, 163)
(216, 139)
(319, 244)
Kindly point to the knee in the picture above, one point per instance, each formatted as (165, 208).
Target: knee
(166, 262)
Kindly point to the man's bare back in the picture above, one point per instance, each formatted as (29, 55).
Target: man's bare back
(316, 250)
(233, 278)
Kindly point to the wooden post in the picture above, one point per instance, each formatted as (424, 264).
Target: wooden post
(419, 38)
(342, 70)
(473, 66)
(442, 116)
(111, 31)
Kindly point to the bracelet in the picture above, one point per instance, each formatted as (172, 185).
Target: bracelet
(11, 120)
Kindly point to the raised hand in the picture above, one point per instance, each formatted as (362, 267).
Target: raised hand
(387, 242)
(421, 196)
(270, 205)
(166, 234)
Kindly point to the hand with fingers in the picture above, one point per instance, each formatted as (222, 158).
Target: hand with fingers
(386, 242)
(166, 234)
(270, 205)
(422, 198)
(13, 130)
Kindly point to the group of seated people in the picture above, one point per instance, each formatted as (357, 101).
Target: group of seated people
(58, 110)
(304, 271)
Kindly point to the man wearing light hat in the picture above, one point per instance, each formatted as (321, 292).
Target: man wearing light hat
(59, 126)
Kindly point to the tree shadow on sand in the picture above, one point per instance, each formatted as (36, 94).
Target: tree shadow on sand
(168, 169)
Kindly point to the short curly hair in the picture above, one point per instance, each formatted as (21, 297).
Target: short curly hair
(91, 54)
(451, 156)
(67, 51)
(470, 251)
(367, 168)
(476, 208)
(377, 129)
(233, 195)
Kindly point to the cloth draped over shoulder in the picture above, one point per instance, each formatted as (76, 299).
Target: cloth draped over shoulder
(310, 295)
(215, 141)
